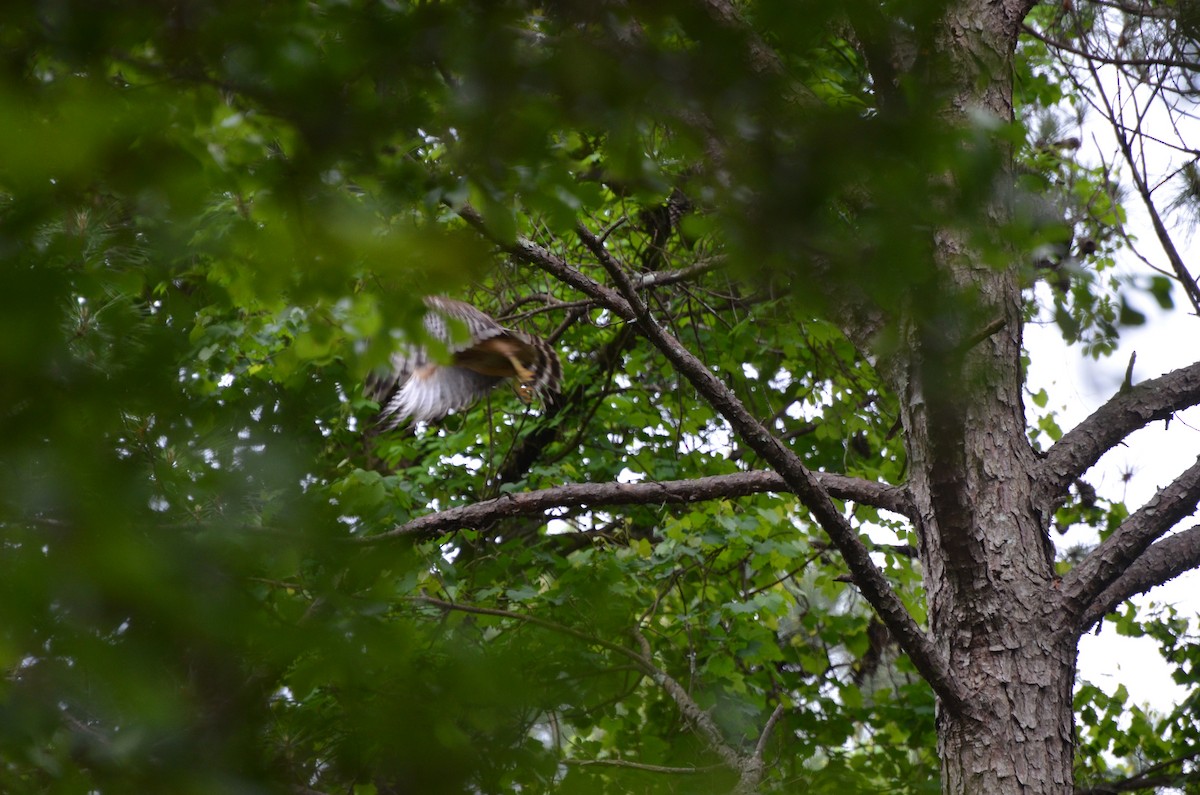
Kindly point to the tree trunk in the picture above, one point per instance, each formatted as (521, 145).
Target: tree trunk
(987, 560)
(1022, 739)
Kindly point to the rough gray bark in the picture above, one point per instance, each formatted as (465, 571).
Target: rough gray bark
(987, 566)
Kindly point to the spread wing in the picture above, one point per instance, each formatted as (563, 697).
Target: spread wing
(421, 388)
(428, 391)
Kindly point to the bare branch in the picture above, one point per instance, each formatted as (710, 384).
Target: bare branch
(1139, 784)
(640, 766)
(659, 278)
(652, 279)
(1092, 55)
(672, 492)
(1107, 562)
(1124, 413)
(1144, 191)
(748, 767)
(1125, 136)
(530, 252)
(1141, 9)
(1162, 562)
(691, 711)
(625, 286)
(644, 661)
(761, 746)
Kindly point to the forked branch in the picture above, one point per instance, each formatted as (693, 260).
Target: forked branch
(1106, 564)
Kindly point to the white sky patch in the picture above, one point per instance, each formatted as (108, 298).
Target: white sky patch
(814, 407)
(627, 475)
(716, 439)
(781, 380)
(556, 527)
(465, 462)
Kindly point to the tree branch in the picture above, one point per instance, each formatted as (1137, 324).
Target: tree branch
(531, 253)
(1163, 561)
(1109, 561)
(651, 279)
(691, 711)
(660, 278)
(761, 746)
(1090, 55)
(674, 492)
(1116, 117)
(578, 401)
(1124, 413)
(644, 665)
(1149, 778)
(640, 766)
(1139, 784)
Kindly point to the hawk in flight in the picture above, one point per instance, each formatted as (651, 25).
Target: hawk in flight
(421, 388)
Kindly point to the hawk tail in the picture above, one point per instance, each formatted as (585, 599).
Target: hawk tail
(547, 370)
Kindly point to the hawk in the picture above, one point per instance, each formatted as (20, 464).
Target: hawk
(421, 388)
